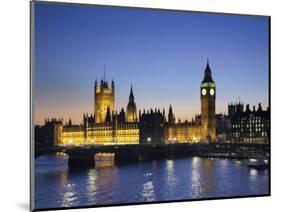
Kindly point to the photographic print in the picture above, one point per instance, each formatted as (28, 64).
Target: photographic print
(137, 105)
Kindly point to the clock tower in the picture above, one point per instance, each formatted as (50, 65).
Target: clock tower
(208, 106)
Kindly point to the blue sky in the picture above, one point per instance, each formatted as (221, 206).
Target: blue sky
(163, 54)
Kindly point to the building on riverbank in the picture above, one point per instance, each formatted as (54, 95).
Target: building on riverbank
(108, 127)
(49, 134)
(251, 126)
(203, 127)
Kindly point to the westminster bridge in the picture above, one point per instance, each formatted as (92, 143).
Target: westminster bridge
(85, 155)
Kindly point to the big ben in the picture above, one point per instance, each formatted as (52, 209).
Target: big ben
(208, 106)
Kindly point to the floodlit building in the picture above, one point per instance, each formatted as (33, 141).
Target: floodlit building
(203, 128)
(106, 126)
(109, 127)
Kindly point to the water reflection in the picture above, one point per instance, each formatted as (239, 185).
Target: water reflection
(92, 186)
(69, 196)
(63, 178)
(253, 174)
(237, 162)
(171, 179)
(104, 164)
(102, 184)
(68, 199)
(104, 160)
(196, 178)
(188, 178)
(148, 191)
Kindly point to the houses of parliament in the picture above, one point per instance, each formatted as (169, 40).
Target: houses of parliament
(129, 126)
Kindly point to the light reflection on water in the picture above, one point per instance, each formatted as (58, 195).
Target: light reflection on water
(253, 173)
(195, 178)
(171, 178)
(69, 198)
(188, 178)
(148, 191)
(68, 195)
(92, 187)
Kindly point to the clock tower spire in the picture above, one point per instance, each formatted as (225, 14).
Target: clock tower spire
(208, 106)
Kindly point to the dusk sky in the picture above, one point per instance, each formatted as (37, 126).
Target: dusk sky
(162, 53)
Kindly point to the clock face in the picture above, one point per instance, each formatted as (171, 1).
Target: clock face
(204, 92)
(212, 92)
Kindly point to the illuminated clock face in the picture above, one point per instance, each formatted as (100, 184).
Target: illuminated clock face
(212, 92)
(204, 91)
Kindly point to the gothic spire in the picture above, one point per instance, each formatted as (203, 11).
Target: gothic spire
(170, 109)
(208, 73)
(171, 118)
(131, 110)
(131, 97)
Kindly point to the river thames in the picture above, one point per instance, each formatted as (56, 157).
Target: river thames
(162, 180)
